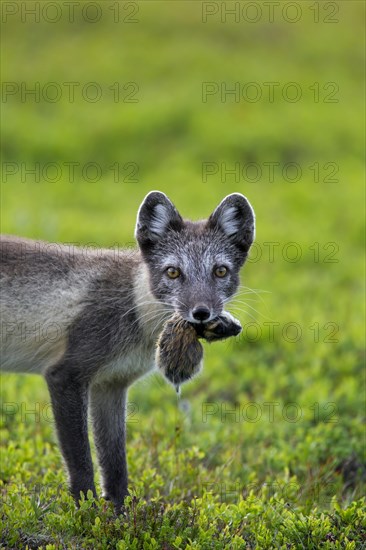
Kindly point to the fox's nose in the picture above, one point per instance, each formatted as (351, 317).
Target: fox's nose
(201, 313)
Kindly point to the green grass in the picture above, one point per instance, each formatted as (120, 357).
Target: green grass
(286, 468)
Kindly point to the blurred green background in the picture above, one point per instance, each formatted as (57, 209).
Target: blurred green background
(153, 127)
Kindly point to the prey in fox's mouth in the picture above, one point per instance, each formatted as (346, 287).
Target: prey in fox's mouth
(223, 326)
(179, 353)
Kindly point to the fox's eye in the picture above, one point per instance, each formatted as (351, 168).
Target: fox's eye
(173, 272)
(221, 271)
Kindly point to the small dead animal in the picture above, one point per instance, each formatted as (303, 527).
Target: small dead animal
(179, 353)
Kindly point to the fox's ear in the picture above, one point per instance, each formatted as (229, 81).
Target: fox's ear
(156, 215)
(236, 219)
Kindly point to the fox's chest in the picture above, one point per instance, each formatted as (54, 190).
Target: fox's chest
(128, 366)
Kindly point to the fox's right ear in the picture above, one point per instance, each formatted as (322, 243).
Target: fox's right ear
(156, 216)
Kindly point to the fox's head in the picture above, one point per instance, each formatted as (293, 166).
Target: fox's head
(194, 266)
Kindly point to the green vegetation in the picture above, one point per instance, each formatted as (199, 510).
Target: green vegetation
(265, 449)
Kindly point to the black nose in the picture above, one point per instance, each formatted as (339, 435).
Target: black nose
(201, 313)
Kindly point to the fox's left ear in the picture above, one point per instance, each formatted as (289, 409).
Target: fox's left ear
(236, 219)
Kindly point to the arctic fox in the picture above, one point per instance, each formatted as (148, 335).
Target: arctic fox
(89, 320)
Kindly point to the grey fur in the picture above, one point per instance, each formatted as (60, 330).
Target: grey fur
(89, 320)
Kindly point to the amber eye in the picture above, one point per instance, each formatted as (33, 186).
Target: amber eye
(173, 272)
(221, 271)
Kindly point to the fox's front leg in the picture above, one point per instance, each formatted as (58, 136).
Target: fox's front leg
(108, 409)
(69, 396)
